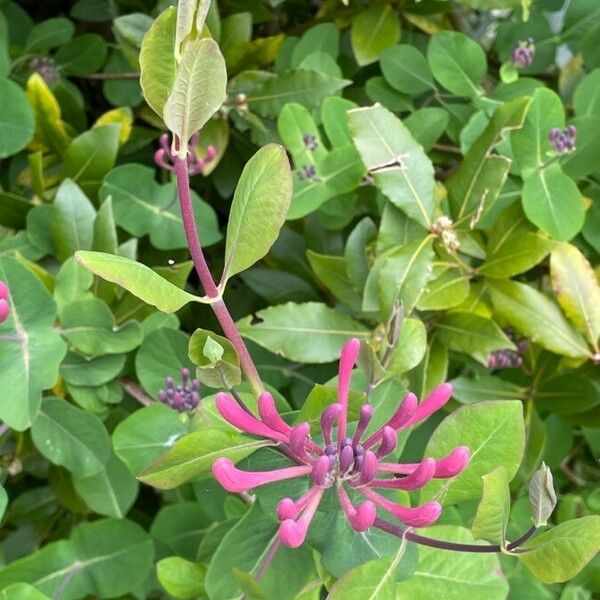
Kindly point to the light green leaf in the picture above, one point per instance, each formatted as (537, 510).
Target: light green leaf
(560, 553)
(293, 124)
(216, 369)
(331, 272)
(49, 34)
(136, 278)
(457, 62)
(32, 349)
(517, 253)
(494, 432)
(309, 332)
(542, 497)
(146, 434)
(494, 508)
(446, 291)
(471, 333)
(17, 123)
(260, 204)
(373, 30)
(157, 60)
(536, 316)
(190, 14)
(193, 455)
(553, 202)
(405, 69)
(72, 220)
(485, 387)
(22, 591)
(110, 492)
(373, 580)
(198, 90)
(410, 348)
(454, 575)
(475, 186)
(399, 165)
(181, 578)
(577, 289)
(71, 437)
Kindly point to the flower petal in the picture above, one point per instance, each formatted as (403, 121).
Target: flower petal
(235, 480)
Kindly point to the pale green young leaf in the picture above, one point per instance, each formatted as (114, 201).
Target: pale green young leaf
(493, 511)
(542, 497)
(373, 30)
(181, 578)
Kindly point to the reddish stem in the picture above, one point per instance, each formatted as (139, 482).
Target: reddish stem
(206, 280)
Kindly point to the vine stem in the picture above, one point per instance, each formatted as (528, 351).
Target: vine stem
(455, 546)
(206, 279)
(266, 561)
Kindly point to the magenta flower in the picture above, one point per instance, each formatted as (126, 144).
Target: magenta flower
(4, 305)
(344, 462)
(164, 159)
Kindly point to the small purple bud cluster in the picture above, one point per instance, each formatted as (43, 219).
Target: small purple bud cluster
(563, 140)
(310, 141)
(164, 159)
(4, 305)
(307, 173)
(508, 359)
(45, 67)
(182, 397)
(523, 54)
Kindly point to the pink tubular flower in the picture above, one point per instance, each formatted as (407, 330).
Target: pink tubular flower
(4, 305)
(343, 462)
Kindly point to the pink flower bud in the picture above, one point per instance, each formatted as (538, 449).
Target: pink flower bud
(211, 153)
(286, 509)
(389, 439)
(418, 516)
(3, 291)
(4, 310)
(320, 470)
(366, 413)
(368, 468)
(454, 463)
(330, 415)
(298, 438)
(348, 359)
(422, 475)
(405, 412)
(436, 399)
(269, 415)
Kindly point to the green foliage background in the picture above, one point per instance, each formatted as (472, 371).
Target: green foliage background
(393, 114)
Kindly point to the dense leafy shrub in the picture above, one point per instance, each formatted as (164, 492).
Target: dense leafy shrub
(413, 185)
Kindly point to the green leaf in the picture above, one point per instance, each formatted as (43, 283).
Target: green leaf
(91, 156)
(475, 186)
(260, 204)
(472, 334)
(560, 553)
(517, 253)
(494, 432)
(450, 289)
(293, 124)
(221, 370)
(299, 85)
(142, 206)
(79, 370)
(553, 202)
(83, 55)
(457, 62)
(157, 60)
(136, 278)
(32, 349)
(243, 548)
(198, 90)
(494, 508)
(70, 437)
(373, 580)
(542, 497)
(443, 574)
(146, 434)
(89, 325)
(331, 272)
(72, 283)
(49, 34)
(427, 125)
(577, 289)
(373, 30)
(537, 317)
(181, 578)
(22, 591)
(110, 492)
(405, 69)
(485, 387)
(17, 123)
(404, 274)
(400, 167)
(72, 220)
(409, 349)
(309, 332)
(567, 394)
(106, 559)
(193, 455)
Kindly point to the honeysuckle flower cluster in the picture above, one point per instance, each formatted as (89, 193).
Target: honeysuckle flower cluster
(345, 461)
(164, 159)
(523, 54)
(508, 359)
(182, 397)
(4, 305)
(564, 139)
